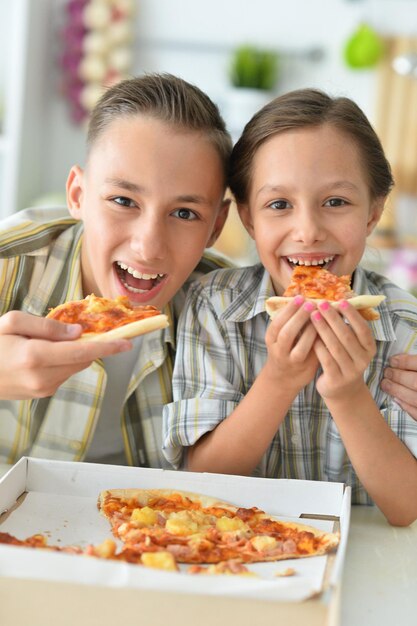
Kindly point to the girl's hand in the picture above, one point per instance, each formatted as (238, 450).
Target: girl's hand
(289, 340)
(343, 349)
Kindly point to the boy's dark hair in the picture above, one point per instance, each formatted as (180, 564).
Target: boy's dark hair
(167, 98)
(302, 108)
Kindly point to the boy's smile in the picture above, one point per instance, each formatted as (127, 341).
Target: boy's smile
(151, 201)
(309, 203)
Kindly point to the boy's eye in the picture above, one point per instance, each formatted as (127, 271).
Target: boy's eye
(123, 201)
(334, 202)
(185, 214)
(279, 204)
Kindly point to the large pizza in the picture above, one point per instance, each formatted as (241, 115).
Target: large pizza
(163, 528)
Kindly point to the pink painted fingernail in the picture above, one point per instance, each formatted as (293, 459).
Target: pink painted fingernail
(324, 306)
(343, 304)
(317, 316)
(309, 307)
(298, 300)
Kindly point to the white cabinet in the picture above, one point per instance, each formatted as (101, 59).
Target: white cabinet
(24, 43)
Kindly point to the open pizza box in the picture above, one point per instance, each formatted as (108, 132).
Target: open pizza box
(59, 500)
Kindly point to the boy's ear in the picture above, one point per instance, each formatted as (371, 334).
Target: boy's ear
(246, 218)
(74, 189)
(219, 223)
(375, 213)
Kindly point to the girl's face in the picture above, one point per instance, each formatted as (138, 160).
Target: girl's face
(309, 203)
(151, 199)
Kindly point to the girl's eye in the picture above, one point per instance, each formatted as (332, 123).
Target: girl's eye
(123, 201)
(279, 204)
(335, 202)
(185, 214)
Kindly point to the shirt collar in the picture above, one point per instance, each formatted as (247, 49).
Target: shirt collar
(383, 329)
(250, 300)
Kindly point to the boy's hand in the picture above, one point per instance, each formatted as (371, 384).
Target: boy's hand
(290, 339)
(343, 349)
(39, 354)
(401, 382)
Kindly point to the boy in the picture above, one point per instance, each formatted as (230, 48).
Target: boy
(148, 202)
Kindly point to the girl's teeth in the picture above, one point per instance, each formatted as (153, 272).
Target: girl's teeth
(309, 263)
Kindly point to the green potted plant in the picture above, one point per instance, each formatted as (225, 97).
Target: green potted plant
(254, 68)
(253, 75)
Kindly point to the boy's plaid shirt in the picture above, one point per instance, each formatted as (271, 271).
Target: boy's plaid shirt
(39, 269)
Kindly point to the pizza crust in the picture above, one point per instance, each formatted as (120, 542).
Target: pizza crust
(144, 496)
(130, 330)
(364, 304)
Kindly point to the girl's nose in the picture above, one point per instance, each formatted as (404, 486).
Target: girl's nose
(308, 227)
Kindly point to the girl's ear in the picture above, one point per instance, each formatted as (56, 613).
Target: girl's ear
(377, 206)
(74, 189)
(219, 223)
(246, 218)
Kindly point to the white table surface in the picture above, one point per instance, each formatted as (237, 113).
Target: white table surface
(379, 586)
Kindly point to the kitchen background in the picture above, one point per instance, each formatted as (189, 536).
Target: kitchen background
(55, 56)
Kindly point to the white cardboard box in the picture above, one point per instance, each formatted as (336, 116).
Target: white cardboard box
(59, 499)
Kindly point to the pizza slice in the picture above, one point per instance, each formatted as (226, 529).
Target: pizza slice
(318, 284)
(103, 319)
(199, 529)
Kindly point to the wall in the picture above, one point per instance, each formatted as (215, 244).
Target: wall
(193, 38)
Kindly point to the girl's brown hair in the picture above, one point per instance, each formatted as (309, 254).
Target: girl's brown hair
(167, 98)
(309, 107)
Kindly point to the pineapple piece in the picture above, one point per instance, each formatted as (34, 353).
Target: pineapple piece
(159, 560)
(181, 524)
(263, 543)
(227, 524)
(144, 516)
(105, 550)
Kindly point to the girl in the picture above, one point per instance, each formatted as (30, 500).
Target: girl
(299, 397)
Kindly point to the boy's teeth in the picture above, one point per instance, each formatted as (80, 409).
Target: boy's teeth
(312, 262)
(137, 274)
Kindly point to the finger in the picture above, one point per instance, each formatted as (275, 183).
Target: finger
(326, 360)
(408, 408)
(405, 378)
(357, 323)
(331, 342)
(289, 334)
(304, 343)
(404, 362)
(32, 326)
(355, 337)
(75, 354)
(401, 391)
(283, 316)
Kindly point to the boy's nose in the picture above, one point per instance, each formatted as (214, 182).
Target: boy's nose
(149, 240)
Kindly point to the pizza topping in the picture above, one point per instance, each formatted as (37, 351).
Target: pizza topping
(315, 282)
(99, 315)
(159, 560)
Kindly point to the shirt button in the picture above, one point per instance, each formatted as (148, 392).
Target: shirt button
(295, 439)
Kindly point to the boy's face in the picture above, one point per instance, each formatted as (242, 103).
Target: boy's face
(151, 199)
(309, 203)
